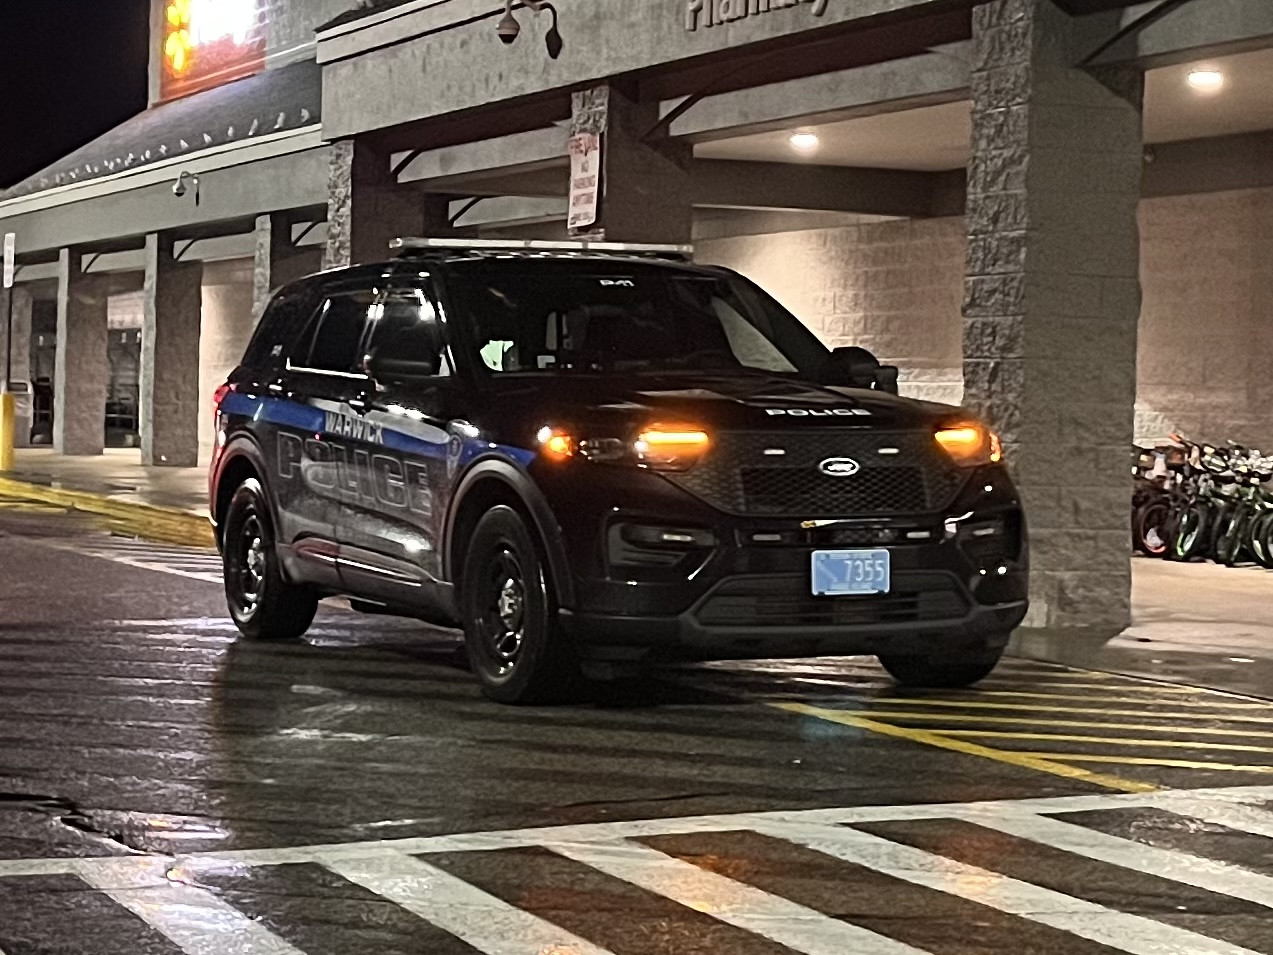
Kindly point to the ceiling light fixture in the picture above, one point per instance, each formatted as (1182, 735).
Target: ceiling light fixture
(1206, 80)
(805, 142)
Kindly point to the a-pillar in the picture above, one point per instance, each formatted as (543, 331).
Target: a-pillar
(647, 194)
(18, 350)
(367, 207)
(171, 325)
(81, 371)
(278, 260)
(1052, 298)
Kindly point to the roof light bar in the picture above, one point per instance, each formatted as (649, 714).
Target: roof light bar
(415, 244)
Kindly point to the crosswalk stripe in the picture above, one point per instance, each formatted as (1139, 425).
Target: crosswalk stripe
(1180, 867)
(1249, 819)
(1130, 933)
(192, 918)
(788, 923)
(478, 918)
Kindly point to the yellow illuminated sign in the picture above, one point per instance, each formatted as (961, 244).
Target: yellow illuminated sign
(207, 42)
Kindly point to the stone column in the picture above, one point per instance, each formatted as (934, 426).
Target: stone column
(278, 261)
(171, 327)
(81, 370)
(1052, 298)
(647, 195)
(19, 351)
(367, 207)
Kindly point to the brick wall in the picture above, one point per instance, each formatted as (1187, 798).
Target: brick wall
(1205, 352)
(1205, 361)
(227, 326)
(895, 287)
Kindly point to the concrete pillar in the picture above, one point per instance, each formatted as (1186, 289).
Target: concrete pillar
(1052, 297)
(171, 327)
(647, 194)
(367, 207)
(19, 352)
(278, 261)
(81, 370)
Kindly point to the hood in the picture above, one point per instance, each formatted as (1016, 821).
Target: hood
(747, 402)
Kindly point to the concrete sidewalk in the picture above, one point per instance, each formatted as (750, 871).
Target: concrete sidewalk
(167, 504)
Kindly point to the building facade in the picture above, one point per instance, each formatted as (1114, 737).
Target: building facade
(1057, 212)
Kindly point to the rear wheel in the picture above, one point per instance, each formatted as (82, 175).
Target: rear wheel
(1262, 539)
(263, 604)
(1191, 536)
(515, 645)
(940, 671)
(1149, 528)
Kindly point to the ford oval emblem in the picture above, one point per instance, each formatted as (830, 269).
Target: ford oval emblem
(839, 467)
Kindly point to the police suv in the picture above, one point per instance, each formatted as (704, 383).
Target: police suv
(590, 456)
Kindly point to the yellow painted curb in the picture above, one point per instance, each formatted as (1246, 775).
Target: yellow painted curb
(168, 525)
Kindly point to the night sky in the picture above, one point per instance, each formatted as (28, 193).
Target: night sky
(69, 71)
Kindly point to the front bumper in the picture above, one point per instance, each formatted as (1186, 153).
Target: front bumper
(685, 636)
(743, 589)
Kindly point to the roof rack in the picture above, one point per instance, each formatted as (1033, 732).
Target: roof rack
(410, 245)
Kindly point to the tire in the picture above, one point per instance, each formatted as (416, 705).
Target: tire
(1192, 535)
(1224, 534)
(1262, 539)
(1149, 528)
(1235, 545)
(940, 671)
(514, 642)
(263, 604)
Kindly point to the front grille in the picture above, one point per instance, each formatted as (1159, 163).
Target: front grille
(900, 473)
(786, 602)
(808, 490)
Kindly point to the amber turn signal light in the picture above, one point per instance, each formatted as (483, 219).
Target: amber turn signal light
(555, 444)
(970, 444)
(671, 448)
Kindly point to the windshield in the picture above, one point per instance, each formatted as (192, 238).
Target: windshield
(590, 317)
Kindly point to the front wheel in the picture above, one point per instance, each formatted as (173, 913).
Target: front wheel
(1262, 539)
(263, 604)
(511, 634)
(940, 670)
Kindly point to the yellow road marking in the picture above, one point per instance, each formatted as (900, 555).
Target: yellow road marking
(1153, 761)
(1070, 724)
(1036, 761)
(1038, 707)
(1092, 698)
(1151, 688)
(1107, 741)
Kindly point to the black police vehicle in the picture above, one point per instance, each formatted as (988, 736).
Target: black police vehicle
(589, 456)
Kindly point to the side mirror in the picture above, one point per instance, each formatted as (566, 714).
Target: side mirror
(855, 367)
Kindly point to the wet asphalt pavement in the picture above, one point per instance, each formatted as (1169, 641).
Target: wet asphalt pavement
(167, 788)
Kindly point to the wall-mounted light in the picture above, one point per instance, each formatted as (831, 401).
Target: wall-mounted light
(509, 29)
(183, 184)
(1205, 80)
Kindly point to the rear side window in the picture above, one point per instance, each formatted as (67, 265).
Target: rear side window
(285, 318)
(338, 335)
(407, 330)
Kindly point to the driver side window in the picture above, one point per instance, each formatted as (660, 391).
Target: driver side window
(407, 330)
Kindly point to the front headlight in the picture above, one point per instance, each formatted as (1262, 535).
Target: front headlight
(658, 447)
(970, 444)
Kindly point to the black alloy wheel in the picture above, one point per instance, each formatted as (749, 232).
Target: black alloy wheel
(263, 604)
(514, 643)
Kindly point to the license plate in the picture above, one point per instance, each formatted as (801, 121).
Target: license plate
(839, 572)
